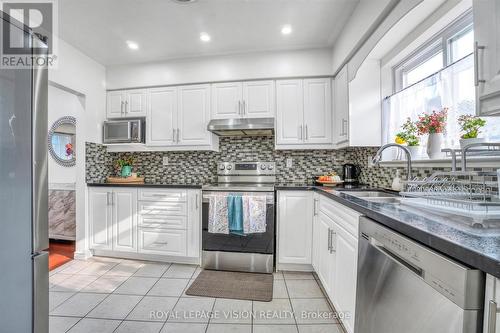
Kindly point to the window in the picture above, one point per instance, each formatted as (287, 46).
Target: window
(439, 74)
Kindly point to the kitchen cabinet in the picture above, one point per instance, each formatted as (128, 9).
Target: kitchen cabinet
(341, 113)
(492, 305)
(486, 15)
(323, 253)
(295, 213)
(127, 103)
(304, 114)
(251, 99)
(178, 116)
(139, 222)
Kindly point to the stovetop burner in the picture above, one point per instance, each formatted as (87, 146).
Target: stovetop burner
(244, 176)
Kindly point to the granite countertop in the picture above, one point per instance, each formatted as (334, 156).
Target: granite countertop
(478, 248)
(150, 185)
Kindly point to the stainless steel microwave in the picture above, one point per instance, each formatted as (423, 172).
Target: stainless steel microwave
(124, 131)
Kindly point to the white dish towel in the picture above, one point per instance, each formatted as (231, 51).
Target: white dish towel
(217, 215)
(254, 214)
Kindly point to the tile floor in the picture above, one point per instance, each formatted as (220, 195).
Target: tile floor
(116, 295)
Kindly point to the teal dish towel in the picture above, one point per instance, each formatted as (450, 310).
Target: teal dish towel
(235, 214)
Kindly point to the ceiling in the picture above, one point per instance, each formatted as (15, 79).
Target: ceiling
(165, 29)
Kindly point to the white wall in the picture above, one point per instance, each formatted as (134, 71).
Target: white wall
(61, 104)
(313, 62)
(86, 77)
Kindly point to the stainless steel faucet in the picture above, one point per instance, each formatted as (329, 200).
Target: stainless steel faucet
(378, 156)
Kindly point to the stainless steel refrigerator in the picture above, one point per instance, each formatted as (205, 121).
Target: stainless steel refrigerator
(24, 273)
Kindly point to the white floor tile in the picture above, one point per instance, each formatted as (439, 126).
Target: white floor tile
(168, 287)
(88, 325)
(136, 286)
(78, 305)
(278, 311)
(274, 329)
(279, 289)
(229, 328)
(298, 275)
(57, 279)
(152, 270)
(75, 266)
(332, 328)
(97, 268)
(278, 275)
(125, 268)
(180, 271)
(115, 307)
(153, 308)
(304, 289)
(56, 298)
(193, 310)
(139, 326)
(61, 324)
(184, 328)
(104, 284)
(75, 283)
(313, 311)
(232, 311)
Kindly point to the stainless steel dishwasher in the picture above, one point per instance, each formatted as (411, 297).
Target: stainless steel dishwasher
(405, 287)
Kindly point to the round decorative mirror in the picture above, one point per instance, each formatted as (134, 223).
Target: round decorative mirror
(62, 141)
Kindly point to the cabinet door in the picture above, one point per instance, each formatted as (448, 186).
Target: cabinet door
(193, 115)
(100, 218)
(258, 99)
(166, 242)
(487, 53)
(289, 112)
(136, 103)
(162, 119)
(344, 274)
(492, 303)
(295, 227)
(227, 100)
(341, 107)
(318, 111)
(326, 257)
(124, 219)
(194, 225)
(115, 104)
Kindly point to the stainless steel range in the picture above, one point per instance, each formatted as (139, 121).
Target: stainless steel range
(252, 252)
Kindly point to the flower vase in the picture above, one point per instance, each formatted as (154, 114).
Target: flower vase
(126, 171)
(414, 152)
(434, 143)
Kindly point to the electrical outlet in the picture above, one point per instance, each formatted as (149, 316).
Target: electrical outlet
(370, 162)
(289, 162)
(165, 160)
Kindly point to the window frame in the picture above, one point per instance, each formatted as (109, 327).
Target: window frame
(441, 42)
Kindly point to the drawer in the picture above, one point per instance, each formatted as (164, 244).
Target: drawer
(174, 195)
(162, 208)
(163, 222)
(166, 242)
(342, 215)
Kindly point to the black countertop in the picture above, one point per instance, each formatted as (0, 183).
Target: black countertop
(149, 185)
(441, 231)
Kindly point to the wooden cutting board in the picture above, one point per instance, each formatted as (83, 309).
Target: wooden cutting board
(127, 180)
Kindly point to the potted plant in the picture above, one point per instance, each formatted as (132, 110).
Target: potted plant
(470, 126)
(408, 136)
(124, 165)
(433, 124)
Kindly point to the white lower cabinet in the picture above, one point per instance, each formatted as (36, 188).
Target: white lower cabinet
(324, 255)
(145, 221)
(492, 305)
(295, 211)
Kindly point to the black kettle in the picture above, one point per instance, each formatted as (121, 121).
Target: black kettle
(351, 173)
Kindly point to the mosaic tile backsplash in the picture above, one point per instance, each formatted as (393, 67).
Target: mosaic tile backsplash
(200, 167)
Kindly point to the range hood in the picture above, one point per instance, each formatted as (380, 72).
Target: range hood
(242, 127)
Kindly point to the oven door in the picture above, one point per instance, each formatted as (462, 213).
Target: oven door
(117, 132)
(251, 252)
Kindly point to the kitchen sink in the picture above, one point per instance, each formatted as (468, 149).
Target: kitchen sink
(388, 200)
(371, 194)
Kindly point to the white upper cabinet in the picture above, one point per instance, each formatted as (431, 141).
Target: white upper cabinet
(304, 114)
(341, 108)
(258, 99)
(162, 117)
(486, 15)
(252, 99)
(193, 115)
(227, 100)
(318, 111)
(127, 104)
(289, 112)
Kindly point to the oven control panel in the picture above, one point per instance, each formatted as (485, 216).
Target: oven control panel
(246, 168)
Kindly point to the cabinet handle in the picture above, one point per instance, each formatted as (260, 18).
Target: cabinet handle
(126, 107)
(343, 127)
(178, 130)
(173, 134)
(107, 199)
(196, 202)
(315, 207)
(332, 248)
(492, 317)
(121, 107)
(239, 108)
(330, 240)
(244, 107)
(300, 132)
(476, 64)
(307, 133)
(112, 198)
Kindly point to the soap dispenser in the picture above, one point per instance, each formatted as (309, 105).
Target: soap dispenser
(397, 183)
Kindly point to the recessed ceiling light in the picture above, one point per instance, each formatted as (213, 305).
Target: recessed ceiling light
(286, 29)
(205, 37)
(132, 45)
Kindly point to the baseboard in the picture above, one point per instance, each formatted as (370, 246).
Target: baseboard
(147, 257)
(294, 267)
(78, 255)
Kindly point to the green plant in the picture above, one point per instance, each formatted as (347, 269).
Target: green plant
(408, 134)
(470, 125)
(124, 161)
